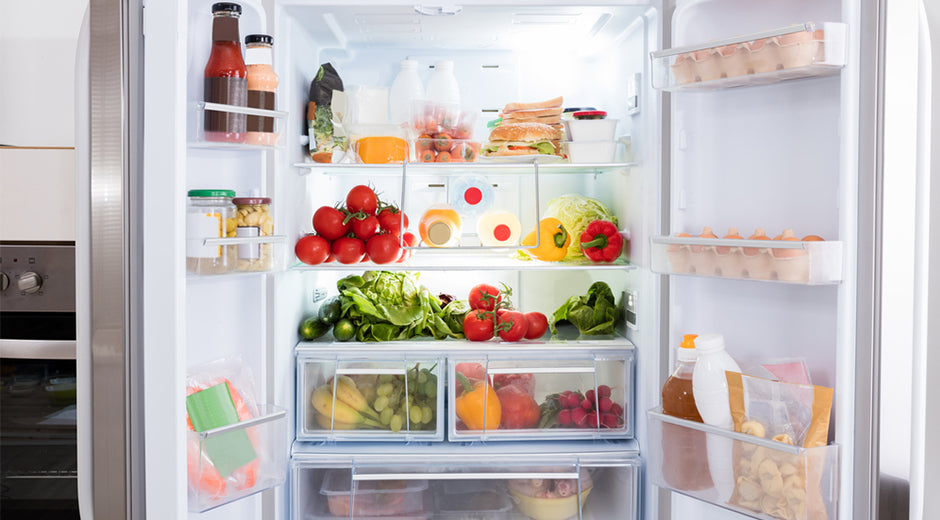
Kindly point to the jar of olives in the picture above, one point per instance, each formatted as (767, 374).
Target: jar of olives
(253, 219)
(210, 214)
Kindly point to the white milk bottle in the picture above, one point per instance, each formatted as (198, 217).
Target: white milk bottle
(710, 388)
(442, 87)
(406, 88)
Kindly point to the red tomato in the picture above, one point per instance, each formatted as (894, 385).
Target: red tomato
(512, 326)
(312, 249)
(411, 241)
(364, 228)
(348, 250)
(484, 297)
(390, 220)
(383, 249)
(472, 371)
(328, 223)
(478, 326)
(538, 324)
(362, 198)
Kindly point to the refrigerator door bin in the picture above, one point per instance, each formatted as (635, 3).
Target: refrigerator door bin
(546, 486)
(201, 109)
(793, 52)
(556, 395)
(754, 476)
(249, 254)
(231, 462)
(808, 263)
(370, 396)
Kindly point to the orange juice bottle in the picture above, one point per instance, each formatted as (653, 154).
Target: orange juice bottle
(440, 226)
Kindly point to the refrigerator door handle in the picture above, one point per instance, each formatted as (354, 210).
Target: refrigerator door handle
(37, 349)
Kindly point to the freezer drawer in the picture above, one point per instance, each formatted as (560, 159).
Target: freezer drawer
(369, 396)
(540, 395)
(758, 477)
(231, 462)
(535, 486)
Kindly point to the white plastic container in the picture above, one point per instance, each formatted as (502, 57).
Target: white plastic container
(591, 129)
(443, 87)
(406, 88)
(710, 388)
(592, 151)
(471, 195)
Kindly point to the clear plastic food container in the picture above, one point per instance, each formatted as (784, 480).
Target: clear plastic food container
(210, 214)
(360, 498)
(253, 219)
(596, 152)
(591, 129)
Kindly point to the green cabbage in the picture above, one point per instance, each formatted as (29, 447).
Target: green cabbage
(575, 212)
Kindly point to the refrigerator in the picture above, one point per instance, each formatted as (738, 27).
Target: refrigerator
(796, 146)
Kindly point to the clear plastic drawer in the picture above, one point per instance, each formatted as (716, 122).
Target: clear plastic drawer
(370, 396)
(758, 477)
(548, 395)
(231, 462)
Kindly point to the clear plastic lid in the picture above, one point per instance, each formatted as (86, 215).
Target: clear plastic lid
(338, 482)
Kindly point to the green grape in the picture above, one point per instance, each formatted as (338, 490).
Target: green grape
(381, 402)
(430, 389)
(386, 416)
(394, 401)
(427, 414)
(415, 415)
(422, 377)
(386, 378)
(385, 389)
(396, 422)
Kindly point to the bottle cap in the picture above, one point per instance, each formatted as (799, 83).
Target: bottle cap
(709, 343)
(230, 7)
(250, 201)
(211, 193)
(687, 352)
(259, 38)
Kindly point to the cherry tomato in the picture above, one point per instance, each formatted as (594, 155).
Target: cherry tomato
(383, 249)
(328, 223)
(484, 297)
(364, 228)
(362, 198)
(478, 326)
(512, 326)
(348, 250)
(390, 220)
(538, 324)
(411, 241)
(312, 249)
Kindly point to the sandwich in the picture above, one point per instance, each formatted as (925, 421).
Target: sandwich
(522, 139)
(545, 112)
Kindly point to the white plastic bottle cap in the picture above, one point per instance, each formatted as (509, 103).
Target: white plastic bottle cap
(709, 343)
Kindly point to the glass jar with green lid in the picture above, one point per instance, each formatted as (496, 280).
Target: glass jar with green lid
(210, 214)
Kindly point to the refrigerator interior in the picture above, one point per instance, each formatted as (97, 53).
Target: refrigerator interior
(786, 174)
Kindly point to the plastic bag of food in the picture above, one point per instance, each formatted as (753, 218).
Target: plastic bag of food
(794, 414)
(217, 394)
(324, 128)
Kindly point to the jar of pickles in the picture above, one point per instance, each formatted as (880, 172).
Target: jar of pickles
(253, 219)
(210, 214)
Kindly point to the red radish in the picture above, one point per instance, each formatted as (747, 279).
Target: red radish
(591, 420)
(564, 417)
(587, 404)
(574, 400)
(578, 417)
(603, 391)
(604, 404)
(609, 420)
(589, 395)
(616, 409)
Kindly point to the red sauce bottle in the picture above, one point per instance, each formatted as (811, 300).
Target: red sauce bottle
(226, 77)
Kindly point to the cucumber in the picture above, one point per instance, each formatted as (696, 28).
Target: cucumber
(313, 328)
(330, 311)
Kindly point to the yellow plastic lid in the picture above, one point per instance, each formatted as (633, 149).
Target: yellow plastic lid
(687, 352)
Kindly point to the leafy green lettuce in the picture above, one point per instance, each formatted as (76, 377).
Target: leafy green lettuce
(387, 306)
(575, 212)
(592, 313)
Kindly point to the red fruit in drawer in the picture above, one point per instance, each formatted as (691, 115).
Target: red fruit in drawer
(519, 409)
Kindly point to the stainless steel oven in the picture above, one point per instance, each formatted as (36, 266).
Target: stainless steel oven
(38, 451)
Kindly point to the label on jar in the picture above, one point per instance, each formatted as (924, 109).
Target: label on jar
(248, 251)
(227, 91)
(200, 226)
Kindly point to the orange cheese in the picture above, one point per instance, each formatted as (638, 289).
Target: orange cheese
(382, 150)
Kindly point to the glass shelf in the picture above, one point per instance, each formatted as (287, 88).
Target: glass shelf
(246, 255)
(197, 140)
(463, 168)
(567, 338)
(793, 52)
(807, 263)
(430, 259)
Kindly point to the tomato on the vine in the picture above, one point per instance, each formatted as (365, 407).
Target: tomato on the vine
(328, 223)
(312, 249)
(364, 228)
(512, 326)
(484, 297)
(390, 220)
(538, 324)
(478, 326)
(348, 250)
(362, 198)
(383, 249)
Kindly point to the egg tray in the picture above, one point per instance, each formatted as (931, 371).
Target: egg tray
(809, 49)
(810, 263)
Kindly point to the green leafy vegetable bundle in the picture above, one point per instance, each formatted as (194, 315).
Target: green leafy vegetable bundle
(593, 313)
(387, 306)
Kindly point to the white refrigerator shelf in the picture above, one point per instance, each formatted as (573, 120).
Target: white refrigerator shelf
(486, 168)
(467, 259)
(808, 263)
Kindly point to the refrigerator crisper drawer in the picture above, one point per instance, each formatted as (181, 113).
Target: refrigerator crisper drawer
(808, 263)
(231, 462)
(793, 52)
(758, 477)
(370, 396)
(537, 486)
(540, 395)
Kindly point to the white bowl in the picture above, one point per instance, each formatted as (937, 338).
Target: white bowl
(591, 129)
(592, 151)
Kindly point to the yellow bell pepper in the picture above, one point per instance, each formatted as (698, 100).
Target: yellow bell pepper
(478, 406)
(553, 241)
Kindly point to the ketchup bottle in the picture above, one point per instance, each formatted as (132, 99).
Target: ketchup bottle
(226, 78)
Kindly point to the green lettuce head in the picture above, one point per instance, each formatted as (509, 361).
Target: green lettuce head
(575, 212)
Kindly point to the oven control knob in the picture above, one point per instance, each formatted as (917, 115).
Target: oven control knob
(29, 282)
(4, 282)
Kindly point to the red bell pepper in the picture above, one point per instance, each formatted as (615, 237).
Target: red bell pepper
(601, 241)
